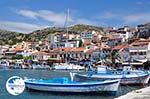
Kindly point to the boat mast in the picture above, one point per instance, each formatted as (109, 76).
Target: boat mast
(67, 19)
(66, 26)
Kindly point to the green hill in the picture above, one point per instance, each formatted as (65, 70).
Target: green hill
(8, 37)
(44, 33)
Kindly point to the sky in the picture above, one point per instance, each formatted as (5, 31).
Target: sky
(29, 15)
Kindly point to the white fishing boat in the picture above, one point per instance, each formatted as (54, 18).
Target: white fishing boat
(18, 64)
(126, 78)
(40, 66)
(4, 64)
(66, 66)
(64, 85)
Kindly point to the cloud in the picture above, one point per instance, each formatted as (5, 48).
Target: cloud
(19, 26)
(136, 18)
(139, 3)
(53, 17)
(28, 13)
(125, 18)
(107, 15)
(143, 3)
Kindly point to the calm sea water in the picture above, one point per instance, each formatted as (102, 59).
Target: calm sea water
(5, 74)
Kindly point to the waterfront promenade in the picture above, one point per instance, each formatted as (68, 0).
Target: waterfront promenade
(143, 93)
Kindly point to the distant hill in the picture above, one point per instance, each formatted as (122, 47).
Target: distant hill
(9, 37)
(43, 34)
(80, 27)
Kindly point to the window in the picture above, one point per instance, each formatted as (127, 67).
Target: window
(89, 55)
(76, 55)
(85, 56)
(144, 53)
(68, 55)
(80, 54)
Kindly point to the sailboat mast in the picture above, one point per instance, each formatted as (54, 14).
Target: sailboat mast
(67, 18)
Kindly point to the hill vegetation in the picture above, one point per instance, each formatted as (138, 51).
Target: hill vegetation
(8, 37)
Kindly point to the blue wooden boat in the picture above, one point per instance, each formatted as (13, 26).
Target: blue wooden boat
(65, 85)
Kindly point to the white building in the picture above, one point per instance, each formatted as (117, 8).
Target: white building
(140, 50)
(125, 33)
(87, 35)
(40, 56)
(64, 40)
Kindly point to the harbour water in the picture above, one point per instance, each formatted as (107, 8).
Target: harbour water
(46, 74)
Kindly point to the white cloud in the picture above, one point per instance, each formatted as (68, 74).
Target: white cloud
(107, 15)
(28, 13)
(139, 3)
(54, 19)
(124, 18)
(57, 19)
(19, 26)
(137, 18)
(142, 4)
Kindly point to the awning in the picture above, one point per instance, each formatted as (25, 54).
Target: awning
(133, 63)
(142, 60)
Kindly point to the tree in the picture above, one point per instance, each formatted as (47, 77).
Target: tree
(114, 55)
(80, 43)
(27, 57)
(17, 56)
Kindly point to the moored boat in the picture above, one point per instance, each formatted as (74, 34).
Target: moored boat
(64, 85)
(66, 66)
(126, 78)
(4, 64)
(40, 67)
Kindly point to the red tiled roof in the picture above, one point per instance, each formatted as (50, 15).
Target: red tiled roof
(119, 47)
(17, 49)
(87, 41)
(139, 43)
(39, 52)
(78, 49)
(89, 51)
(63, 49)
(70, 49)
(44, 53)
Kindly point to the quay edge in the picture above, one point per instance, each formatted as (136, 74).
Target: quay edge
(143, 93)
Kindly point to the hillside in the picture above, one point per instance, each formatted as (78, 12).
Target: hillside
(43, 34)
(8, 37)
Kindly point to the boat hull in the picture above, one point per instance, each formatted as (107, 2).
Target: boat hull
(68, 67)
(141, 80)
(109, 87)
(4, 67)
